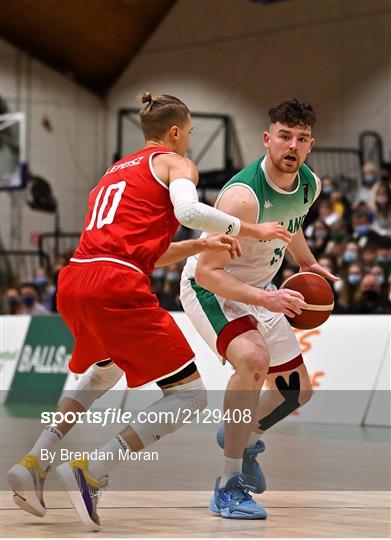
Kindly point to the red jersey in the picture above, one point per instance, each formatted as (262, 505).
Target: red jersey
(130, 217)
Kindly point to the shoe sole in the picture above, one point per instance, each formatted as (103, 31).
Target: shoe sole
(23, 487)
(65, 474)
(225, 513)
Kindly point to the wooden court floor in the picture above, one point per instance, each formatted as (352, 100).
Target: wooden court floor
(303, 466)
(185, 514)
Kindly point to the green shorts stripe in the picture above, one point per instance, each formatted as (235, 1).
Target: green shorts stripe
(210, 307)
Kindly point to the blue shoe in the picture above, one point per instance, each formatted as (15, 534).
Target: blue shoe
(83, 490)
(233, 501)
(250, 467)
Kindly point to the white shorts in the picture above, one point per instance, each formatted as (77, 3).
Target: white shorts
(219, 320)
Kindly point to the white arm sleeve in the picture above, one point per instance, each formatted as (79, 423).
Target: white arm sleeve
(196, 215)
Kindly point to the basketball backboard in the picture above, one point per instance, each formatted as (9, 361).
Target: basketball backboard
(13, 163)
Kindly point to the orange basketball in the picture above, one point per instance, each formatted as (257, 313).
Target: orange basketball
(318, 296)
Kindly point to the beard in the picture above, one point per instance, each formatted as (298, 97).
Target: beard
(282, 167)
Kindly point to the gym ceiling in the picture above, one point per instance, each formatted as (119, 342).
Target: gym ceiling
(89, 41)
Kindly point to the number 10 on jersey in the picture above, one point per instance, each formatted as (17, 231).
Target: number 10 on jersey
(100, 208)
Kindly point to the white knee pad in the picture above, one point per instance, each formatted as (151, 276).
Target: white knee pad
(175, 409)
(93, 384)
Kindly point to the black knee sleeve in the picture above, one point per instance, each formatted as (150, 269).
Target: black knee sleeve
(290, 392)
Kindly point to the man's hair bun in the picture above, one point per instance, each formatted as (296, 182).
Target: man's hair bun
(146, 98)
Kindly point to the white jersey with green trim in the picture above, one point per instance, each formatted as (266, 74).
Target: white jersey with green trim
(261, 259)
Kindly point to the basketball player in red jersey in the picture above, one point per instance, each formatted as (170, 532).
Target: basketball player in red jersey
(104, 297)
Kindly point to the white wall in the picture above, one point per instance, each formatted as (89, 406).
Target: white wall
(239, 57)
(71, 156)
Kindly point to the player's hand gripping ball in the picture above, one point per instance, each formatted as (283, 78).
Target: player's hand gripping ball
(318, 295)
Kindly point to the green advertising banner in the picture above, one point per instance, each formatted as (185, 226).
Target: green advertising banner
(42, 366)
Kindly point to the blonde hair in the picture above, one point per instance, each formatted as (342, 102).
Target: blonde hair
(160, 114)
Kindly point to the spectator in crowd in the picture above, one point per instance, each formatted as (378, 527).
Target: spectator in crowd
(12, 302)
(336, 245)
(341, 206)
(350, 286)
(369, 298)
(362, 233)
(350, 255)
(166, 290)
(368, 257)
(58, 264)
(378, 272)
(327, 186)
(29, 298)
(370, 181)
(318, 235)
(157, 277)
(382, 220)
(327, 212)
(41, 280)
(385, 173)
(329, 263)
(383, 257)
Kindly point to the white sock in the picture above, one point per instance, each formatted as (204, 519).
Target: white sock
(100, 467)
(49, 440)
(232, 467)
(253, 438)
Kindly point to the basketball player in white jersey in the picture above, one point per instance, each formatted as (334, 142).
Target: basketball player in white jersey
(240, 314)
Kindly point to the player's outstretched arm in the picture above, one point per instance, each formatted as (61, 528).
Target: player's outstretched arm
(240, 202)
(178, 251)
(181, 176)
(300, 251)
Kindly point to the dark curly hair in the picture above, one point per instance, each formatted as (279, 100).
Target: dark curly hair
(293, 113)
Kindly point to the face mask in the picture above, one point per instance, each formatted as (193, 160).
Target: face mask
(327, 189)
(158, 273)
(12, 301)
(382, 259)
(41, 281)
(172, 276)
(361, 229)
(369, 179)
(354, 279)
(350, 256)
(28, 300)
(382, 200)
(380, 279)
(320, 233)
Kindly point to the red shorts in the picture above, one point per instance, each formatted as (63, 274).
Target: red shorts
(112, 313)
